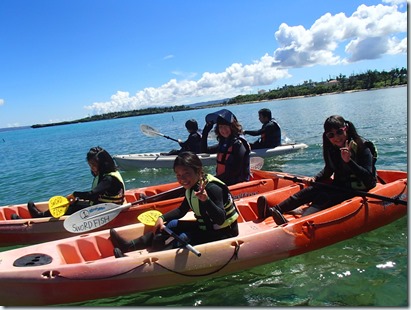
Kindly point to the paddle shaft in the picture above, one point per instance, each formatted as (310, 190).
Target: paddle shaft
(356, 192)
(169, 137)
(154, 198)
(177, 237)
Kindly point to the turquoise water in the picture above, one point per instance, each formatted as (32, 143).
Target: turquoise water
(369, 270)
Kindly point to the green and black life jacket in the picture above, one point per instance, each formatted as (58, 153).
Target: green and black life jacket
(118, 198)
(229, 207)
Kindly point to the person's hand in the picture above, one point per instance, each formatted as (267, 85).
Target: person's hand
(346, 152)
(158, 226)
(202, 193)
(71, 198)
(308, 180)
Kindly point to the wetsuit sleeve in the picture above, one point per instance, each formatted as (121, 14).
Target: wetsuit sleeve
(324, 175)
(177, 213)
(254, 132)
(204, 146)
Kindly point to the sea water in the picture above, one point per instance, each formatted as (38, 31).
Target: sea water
(368, 270)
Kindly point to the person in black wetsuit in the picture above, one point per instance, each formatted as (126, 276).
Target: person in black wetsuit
(193, 142)
(348, 157)
(270, 131)
(107, 186)
(233, 150)
(208, 197)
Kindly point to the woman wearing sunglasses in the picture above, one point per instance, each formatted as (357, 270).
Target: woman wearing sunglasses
(349, 163)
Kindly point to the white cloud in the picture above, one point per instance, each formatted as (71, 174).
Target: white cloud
(369, 33)
(1, 101)
(168, 57)
(234, 80)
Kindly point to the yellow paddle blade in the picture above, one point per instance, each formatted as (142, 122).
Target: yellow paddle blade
(58, 206)
(149, 218)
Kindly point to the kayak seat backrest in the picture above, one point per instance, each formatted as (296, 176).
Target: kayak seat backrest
(247, 207)
(151, 192)
(277, 196)
(85, 250)
(70, 253)
(246, 213)
(130, 198)
(7, 212)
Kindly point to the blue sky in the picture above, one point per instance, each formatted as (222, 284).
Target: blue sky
(63, 60)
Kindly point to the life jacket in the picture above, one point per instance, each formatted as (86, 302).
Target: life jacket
(229, 207)
(263, 138)
(222, 157)
(106, 197)
(354, 181)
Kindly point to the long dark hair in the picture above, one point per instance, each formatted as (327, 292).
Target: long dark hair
(335, 122)
(103, 159)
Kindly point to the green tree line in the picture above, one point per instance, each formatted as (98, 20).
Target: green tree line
(368, 80)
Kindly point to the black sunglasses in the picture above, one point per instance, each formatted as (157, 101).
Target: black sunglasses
(338, 132)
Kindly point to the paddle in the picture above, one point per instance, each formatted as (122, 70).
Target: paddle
(98, 215)
(256, 163)
(150, 217)
(151, 132)
(58, 206)
(356, 192)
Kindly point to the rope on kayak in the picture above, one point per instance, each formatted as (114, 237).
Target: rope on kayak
(309, 226)
(234, 256)
(105, 277)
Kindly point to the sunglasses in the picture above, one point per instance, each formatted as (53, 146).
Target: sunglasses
(338, 132)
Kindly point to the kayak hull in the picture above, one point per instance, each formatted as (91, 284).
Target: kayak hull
(30, 230)
(83, 267)
(157, 160)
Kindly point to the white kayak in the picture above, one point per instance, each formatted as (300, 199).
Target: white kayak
(160, 160)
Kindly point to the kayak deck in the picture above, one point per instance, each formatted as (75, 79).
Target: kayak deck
(160, 160)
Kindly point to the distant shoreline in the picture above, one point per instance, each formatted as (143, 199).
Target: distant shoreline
(189, 107)
(184, 108)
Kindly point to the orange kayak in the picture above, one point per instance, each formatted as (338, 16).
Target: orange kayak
(165, 197)
(83, 267)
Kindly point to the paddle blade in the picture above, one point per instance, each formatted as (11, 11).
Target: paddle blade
(149, 218)
(58, 205)
(256, 163)
(149, 131)
(81, 221)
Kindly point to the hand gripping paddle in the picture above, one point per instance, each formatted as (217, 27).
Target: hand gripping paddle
(150, 217)
(58, 206)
